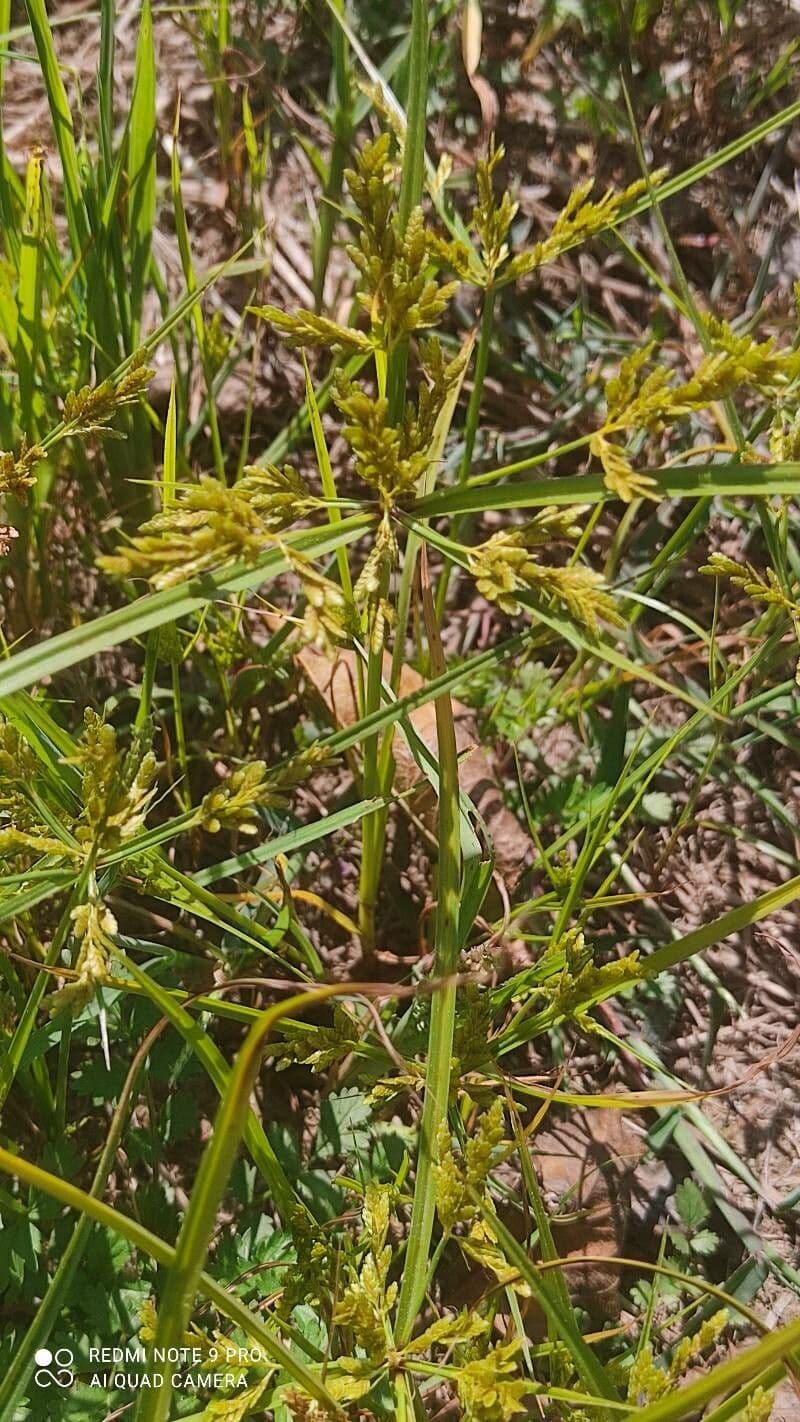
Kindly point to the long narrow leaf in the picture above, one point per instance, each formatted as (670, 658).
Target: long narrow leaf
(153, 610)
(690, 482)
(61, 114)
(30, 290)
(142, 165)
(287, 843)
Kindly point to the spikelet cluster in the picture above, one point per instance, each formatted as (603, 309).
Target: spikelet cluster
(784, 438)
(571, 991)
(652, 400)
(306, 329)
(235, 803)
(89, 410)
(94, 927)
(399, 290)
(117, 789)
(318, 1047)
(368, 1296)
(506, 566)
(210, 524)
(759, 1405)
(392, 458)
(18, 471)
(460, 1176)
(489, 261)
(648, 1381)
(330, 619)
(579, 219)
(761, 587)
(22, 832)
(117, 786)
(490, 1387)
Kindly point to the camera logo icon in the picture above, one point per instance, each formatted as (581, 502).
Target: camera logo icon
(54, 1369)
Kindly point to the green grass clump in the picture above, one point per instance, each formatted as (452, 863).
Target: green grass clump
(247, 1113)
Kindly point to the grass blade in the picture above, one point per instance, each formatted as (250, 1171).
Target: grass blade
(185, 1271)
(691, 482)
(440, 1040)
(61, 114)
(142, 166)
(155, 609)
(29, 296)
(735, 921)
(287, 843)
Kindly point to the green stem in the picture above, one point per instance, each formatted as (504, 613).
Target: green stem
(413, 175)
(378, 765)
(62, 1079)
(440, 1040)
(180, 738)
(532, 462)
(476, 397)
(417, 107)
(374, 826)
(470, 429)
(148, 680)
(342, 128)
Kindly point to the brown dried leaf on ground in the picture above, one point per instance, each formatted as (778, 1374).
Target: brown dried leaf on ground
(585, 1163)
(334, 683)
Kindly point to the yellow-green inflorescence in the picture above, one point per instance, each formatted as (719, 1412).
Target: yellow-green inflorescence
(401, 294)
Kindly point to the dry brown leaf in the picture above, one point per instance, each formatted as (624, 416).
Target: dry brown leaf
(584, 1162)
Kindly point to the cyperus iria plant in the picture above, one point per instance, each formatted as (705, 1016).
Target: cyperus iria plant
(83, 814)
(395, 454)
(398, 446)
(101, 827)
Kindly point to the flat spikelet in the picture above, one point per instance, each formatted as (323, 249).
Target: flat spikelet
(505, 566)
(653, 400)
(489, 260)
(210, 524)
(18, 471)
(307, 329)
(399, 289)
(94, 927)
(90, 409)
(579, 219)
(234, 804)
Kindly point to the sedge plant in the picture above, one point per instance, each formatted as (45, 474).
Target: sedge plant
(156, 882)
